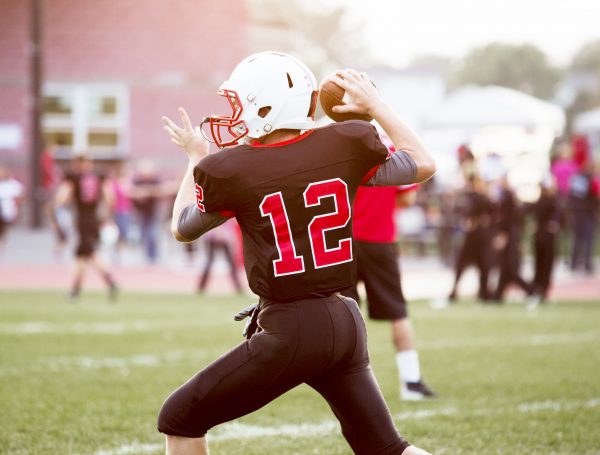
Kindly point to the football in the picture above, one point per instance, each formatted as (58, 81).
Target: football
(330, 95)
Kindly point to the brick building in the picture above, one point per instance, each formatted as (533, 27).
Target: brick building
(111, 68)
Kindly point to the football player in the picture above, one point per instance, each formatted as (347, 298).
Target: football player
(86, 190)
(291, 189)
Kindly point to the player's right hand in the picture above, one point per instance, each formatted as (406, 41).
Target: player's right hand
(188, 138)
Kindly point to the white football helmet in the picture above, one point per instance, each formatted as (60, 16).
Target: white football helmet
(266, 91)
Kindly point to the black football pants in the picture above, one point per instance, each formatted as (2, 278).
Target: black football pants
(320, 342)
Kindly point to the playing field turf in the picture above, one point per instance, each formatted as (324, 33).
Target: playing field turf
(89, 378)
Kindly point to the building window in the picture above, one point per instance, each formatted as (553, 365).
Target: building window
(92, 118)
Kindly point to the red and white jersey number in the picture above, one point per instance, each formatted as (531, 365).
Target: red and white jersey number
(200, 198)
(289, 262)
(323, 256)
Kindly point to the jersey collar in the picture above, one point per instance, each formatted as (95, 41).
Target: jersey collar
(256, 143)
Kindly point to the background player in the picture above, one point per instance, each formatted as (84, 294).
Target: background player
(477, 245)
(86, 190)
(374, 232)
(291, 193)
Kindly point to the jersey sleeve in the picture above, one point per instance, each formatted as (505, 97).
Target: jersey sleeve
(373, 149)
(215, 190)
(193, 223)
(400, 169)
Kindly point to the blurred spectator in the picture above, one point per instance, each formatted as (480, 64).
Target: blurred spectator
(222, 238)
(11, 196)
(507, 241)
(466, 161)
(448, 227)
(146, 193)
(547, 215)
(477, 211)
(491, 167)
(581, 150)
(86, 190)
(563, 167)
(51, 177)
(584, 194)
(122, 203)
(376, 252)
(51, 174)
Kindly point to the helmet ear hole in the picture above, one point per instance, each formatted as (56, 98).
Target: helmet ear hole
(289, 78)
(264, 111)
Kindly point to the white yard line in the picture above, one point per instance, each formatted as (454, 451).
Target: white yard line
(144, 360)
(60, 364)
(528, 340)
(133, 448)
(152, 360)
(92, 328)
(234, 430)
(39, 327)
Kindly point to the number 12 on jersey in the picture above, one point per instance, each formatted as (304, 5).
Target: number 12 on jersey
(289, 262)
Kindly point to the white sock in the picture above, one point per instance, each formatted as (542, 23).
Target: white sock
(408, 366)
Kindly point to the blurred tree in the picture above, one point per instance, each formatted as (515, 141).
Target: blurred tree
(523, 68)
(588, 58)
(324, 36)
(583, 80)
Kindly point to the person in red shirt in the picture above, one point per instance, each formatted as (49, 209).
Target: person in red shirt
(374, 233)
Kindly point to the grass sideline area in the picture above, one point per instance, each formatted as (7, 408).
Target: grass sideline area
(88, 378)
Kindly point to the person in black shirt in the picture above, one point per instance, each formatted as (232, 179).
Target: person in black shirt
(86, 190)
(509, 224)
(146, 192)
(291, 193)
(476, 249)
(547, 214)
(584, 205)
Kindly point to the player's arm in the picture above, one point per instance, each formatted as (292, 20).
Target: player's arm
(187, 220)
(62, 197)
(193, 223)
(64, 193)
(407, 197)
(366, 100)
(108, 195)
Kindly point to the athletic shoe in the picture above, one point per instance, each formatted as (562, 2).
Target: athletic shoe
(73, 295)
(533, 301)
(415, 391)
(113, 292)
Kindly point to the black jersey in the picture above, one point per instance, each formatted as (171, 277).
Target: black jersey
(87, 194)
(293, 203)
(477, 210)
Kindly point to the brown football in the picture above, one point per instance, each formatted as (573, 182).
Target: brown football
(331, 95)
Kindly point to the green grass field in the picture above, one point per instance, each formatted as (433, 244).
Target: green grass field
(89, 378)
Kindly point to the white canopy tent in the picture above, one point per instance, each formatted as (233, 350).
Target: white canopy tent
(475, 107)
(587, 122)
(496, 121)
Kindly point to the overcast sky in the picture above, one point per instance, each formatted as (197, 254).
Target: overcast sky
(399, 29)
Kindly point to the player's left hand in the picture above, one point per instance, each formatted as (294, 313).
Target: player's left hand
(188, 138)
(364, 97)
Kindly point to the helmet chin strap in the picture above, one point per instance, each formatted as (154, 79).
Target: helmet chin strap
(204, 135)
